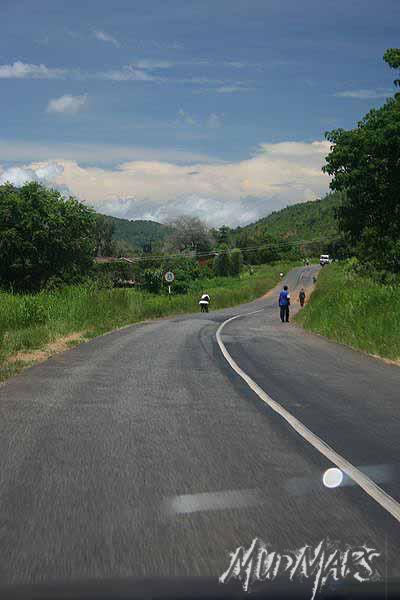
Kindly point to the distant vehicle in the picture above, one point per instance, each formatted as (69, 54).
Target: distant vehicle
(325, 259)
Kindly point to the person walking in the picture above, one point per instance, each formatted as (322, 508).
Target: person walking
(204, 302)
(302, 297)
(284, 303)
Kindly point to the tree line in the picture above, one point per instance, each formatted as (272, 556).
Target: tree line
(47, 241)
(364, 163)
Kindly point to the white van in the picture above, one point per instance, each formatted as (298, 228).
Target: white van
(324, 259)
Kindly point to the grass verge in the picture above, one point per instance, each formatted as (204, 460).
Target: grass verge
(32, 327)
(355, 311)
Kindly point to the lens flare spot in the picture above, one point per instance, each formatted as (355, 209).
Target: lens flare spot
(332, 478)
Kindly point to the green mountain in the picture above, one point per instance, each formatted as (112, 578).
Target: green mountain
(304, 221)
(139, 233)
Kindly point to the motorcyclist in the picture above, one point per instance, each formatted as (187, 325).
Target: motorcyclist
(204, 302)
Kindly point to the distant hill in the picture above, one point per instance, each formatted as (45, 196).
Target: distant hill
(139, 233)
(304, 221)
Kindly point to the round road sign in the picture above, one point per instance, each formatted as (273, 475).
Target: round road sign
(169, 276)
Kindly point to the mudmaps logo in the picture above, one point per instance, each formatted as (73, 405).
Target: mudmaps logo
(319, 564)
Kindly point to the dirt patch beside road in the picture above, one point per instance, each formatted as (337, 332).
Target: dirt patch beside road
(60, 345)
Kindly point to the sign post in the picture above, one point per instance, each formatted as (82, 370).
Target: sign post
(169, 278)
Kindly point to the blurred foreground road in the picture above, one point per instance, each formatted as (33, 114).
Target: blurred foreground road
(143, 453)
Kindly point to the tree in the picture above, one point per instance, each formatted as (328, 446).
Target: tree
(340, 249)
(223, 235)
(236, 261)
(365, 163)
(43, 237)
(222, 263)
(189, 234)
(269, 251)
(392, 58)
(152, 280)
(104, 236)
(122, 248)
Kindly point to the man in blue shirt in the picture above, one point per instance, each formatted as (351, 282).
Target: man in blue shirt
(284, 303)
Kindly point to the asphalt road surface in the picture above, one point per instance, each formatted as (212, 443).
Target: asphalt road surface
(144, 453)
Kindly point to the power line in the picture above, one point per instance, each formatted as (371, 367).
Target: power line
(280, 245)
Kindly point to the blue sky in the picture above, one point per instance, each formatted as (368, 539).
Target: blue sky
(128, 94)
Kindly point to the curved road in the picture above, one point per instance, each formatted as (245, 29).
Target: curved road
(144, 453)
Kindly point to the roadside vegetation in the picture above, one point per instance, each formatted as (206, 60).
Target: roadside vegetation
(33, 322)
(358, 302)
(352, 308)
(364, 163)
(62, 279)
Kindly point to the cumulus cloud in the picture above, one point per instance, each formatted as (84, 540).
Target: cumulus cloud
(44, 174)
(20, 70)
(68, 105)
(18, 176)
(233, 193)
(106, 37)
(364, 94)
(214, 211)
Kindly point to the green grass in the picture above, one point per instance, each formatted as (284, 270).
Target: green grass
(30, 322)
(356, 311)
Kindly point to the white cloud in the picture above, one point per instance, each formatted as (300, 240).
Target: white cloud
(49, 171)
(186, 118)
(365, 94)
(18, 176)
(140, 71)
(45, 174)
(106, 37)
(158, 45)
(232, 89)
(89, 153)
(68, 105)
(127, 73)
(20, 70)
(152, 64)
(213, 121)
(234, 193)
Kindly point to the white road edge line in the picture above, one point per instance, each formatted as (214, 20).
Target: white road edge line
(369, 486)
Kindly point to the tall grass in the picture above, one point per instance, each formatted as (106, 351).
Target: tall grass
(29, 322)
(355, 310)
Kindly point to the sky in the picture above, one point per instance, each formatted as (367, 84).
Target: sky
(212, 108)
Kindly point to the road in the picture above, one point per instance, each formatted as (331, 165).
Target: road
(143, 452)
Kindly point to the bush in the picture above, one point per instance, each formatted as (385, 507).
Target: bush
(236, 261)
(222, 264)
(181, 286)
(152, 280)
(112, 273)
(207, 271)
